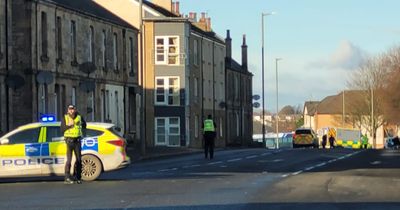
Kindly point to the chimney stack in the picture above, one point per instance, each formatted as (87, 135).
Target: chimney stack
(204, 23)
(228, 42)
(175, 7)
(193, 16)
(244, 53)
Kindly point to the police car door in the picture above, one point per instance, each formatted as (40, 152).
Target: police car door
(55, 156)
(20, 153)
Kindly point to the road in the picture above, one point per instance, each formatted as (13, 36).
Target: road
(234, 179)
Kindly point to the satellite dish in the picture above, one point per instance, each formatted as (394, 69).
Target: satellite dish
(222, 104)
(256, 105)
(87, 85)
(14, 81)
(256, 97)
(44, 77)
(87, 67)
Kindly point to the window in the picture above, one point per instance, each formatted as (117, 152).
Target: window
(167, 131)
(59, 38)
(167, 91)
(25, 136)
(237, 124)
(93, 133)
(167, 50)
(90, 105)
(115, 51)
(73, 96)
(132, 63)
(42, 100)
(91, 44)
(73, 40)
(116, 108)
(53, 134)
(103, 50)
(44, 35)
(196, 88)
(195, 53)
(196, 126)
(220, 127)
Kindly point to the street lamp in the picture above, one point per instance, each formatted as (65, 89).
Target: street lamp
(262, 70)
(277, 109)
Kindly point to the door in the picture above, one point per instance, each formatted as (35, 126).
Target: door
(21, 155)
(167, 131)
(54, 151)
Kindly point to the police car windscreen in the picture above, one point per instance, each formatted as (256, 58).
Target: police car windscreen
(303, 131)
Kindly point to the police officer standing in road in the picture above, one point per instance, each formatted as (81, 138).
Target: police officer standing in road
(71, 126)
(209, 135)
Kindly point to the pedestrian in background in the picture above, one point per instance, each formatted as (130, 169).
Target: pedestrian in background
(332, 141)
(209, 134)
(324, 139)
(71, 126)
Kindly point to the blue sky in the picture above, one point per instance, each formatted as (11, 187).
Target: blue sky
(320, 42)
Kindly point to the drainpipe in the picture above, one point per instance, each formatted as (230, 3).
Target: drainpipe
(202, 82)
(142, 79)
(7, 68)
(213, 79)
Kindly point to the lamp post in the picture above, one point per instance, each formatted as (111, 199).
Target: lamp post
(277, 109)
(262, 71)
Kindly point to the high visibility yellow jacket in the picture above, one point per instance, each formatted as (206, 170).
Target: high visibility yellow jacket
(76, 130)
(209, 125)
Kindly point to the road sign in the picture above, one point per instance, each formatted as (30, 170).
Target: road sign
(256, 104)
(256, 97)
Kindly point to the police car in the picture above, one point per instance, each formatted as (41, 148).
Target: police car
(38, 149)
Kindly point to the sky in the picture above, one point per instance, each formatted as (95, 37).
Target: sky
(321, 42)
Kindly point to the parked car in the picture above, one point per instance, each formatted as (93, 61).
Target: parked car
(305, 137)
(38, 149)
(392, 143)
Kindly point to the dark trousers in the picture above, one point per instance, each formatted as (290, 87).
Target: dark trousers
(209, 144)
(73, 145)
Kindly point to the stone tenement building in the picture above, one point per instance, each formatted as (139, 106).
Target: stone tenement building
(62, 52)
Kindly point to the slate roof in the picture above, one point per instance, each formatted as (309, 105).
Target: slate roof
(334, 104)
(90, 7)
(311, 107)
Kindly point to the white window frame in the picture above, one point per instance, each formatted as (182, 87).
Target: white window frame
(167, 126)
(166, 87)
(164, 50)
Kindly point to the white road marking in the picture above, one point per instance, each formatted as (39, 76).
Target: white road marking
(168, 169)
(285, 175)
(214, 163)
(321, 164)
(252, 156)
(234, 160)
(297, 172)
(376, 162)
(309, 168)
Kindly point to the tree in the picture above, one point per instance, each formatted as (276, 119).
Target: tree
(371, 79)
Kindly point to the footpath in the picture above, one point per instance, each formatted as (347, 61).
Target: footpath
(158, 152)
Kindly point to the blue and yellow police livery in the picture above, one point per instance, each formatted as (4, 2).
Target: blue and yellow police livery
(38, 149)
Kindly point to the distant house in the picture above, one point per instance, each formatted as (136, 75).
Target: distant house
(343, 110)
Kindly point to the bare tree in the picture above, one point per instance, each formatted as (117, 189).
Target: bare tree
(371, 80)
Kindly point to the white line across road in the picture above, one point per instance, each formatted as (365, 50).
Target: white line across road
(234, 160)
(321, 164)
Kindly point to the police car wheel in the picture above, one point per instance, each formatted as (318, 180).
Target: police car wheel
(91, 167)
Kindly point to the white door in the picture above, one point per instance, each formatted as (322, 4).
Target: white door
(167, 132)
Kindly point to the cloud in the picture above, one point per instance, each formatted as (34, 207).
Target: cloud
(347, 56)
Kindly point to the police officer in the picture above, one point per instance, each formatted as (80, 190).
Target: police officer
(364, 141)
(209, 135)
(71, 126)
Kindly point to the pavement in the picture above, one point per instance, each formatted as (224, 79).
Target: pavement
(158, 152)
